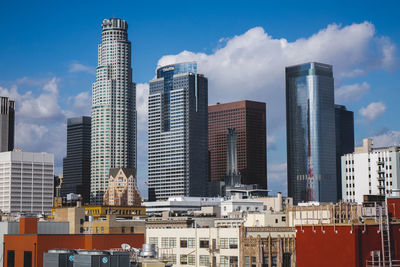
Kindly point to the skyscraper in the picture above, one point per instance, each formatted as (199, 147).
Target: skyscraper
(113, 108)
(249, 121)
(344, 124)
(311, 141)
(178, 156)
(76, 165)
(7, 122)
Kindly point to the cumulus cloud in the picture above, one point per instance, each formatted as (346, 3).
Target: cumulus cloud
(373, 111)
(252, 65)
(78, 67)
(388, 138)
(353, 92)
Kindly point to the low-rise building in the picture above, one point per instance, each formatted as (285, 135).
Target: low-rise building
(240, 206)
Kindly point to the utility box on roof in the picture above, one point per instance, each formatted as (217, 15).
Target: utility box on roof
(58, 258)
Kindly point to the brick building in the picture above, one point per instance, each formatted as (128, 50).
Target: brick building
(248, 118)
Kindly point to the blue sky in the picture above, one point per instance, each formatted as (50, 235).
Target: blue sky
(48, 54)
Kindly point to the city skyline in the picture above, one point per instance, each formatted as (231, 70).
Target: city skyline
(60, 87)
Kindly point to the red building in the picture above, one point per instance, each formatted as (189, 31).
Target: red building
(27, 248)
(341, 245)
(248, 118)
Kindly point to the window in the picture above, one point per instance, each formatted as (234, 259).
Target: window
(184, 259)
(253, 262)
(204, 260)
(224, 261)
(233, 261)
(191, 243)
(191, 259)
(10, 258)
(233, 243)
(164, 242)
(27, 258)
(123, 229)
(153, 241)
(224, 243)
(132, 229)
(247, 261)
(204, 243)
(183, 243)
(283, 219)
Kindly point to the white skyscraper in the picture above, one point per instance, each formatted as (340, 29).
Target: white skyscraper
(27, 181)
(113, 108)
(370, 171)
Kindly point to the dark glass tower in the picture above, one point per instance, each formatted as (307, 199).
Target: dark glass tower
(344, 120)
(311, 140)
(76, 164)
(7, 122)
(178, 155)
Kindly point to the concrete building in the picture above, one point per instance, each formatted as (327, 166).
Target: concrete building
(248, 119)
(7, 124)
(84, 220)
(310, 126)
(197, 246)
(27, 182)
(178, 155)
(181, 204)
(76, 165)
(122, 188)
(113, 142)
(370, 171)
(344, 125)
(240, 206)
(275, 203)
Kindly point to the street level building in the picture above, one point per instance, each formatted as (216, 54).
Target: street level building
(310, 126)
(76, 165)
(247, 119)
(26, 180)
(7, 122)
(113, 142)
(370, 171)
(178, 156)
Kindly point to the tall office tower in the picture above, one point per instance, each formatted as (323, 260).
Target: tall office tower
(113, 108)
(311, 138)
(249, 121)
(7, 124)
(178, 156)
(76, 165)
(30, 180)
(371, 171)
(344, 124)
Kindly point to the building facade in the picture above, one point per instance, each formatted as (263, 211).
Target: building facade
(248, 119)
(344, 124)
(370, 171)
(178, 156)
(27, 182)
(76, 165)
(7, 122)
(113, 108)
(310, 126)
(122, 188)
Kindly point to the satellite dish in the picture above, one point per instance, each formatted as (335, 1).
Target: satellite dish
(125, 246)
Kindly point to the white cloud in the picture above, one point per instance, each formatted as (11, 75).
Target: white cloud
(373, 111)
(142, 95)
(349, 93)
(389, 138)
(78, 67)
(252, 65)
(277, 177)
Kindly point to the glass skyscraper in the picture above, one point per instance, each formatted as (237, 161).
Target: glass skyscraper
(311, 143)
(344, 121)
(76, 165)
(178, 132)
(113, 108)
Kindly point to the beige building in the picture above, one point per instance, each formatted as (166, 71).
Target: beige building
(122, 188)
(81, 222)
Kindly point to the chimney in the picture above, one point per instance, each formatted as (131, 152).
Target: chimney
(28, 226)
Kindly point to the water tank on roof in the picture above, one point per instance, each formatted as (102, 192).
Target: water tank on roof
(58, 258)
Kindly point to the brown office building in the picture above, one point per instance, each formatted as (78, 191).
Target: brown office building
(248, 118)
